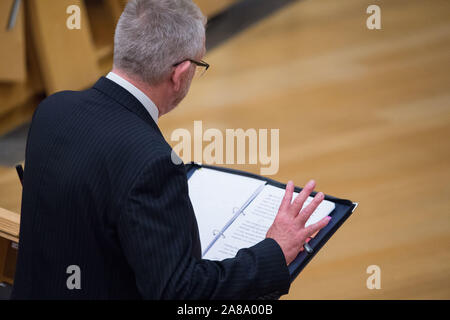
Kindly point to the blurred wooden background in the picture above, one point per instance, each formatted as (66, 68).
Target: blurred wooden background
(364, 112)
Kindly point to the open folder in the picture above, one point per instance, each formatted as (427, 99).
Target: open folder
(235, 209)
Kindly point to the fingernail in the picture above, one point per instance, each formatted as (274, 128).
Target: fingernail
(311, 183)
(329, 218)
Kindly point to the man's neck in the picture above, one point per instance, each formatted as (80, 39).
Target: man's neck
(153, 93)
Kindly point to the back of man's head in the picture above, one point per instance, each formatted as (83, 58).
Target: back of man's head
(153, 35)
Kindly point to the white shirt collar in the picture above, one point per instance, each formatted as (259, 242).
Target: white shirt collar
(138, 94)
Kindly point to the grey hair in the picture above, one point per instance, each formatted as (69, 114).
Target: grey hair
(152, 35)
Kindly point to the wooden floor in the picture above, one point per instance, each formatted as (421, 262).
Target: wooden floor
(365, 113)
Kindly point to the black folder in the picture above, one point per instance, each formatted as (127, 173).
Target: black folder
(343, 210)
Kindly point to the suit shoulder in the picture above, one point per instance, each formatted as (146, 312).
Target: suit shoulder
(63, 95)
(61, 101)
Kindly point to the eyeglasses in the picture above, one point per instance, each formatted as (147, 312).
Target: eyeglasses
(202, 64)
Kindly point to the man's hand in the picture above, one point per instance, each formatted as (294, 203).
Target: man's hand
(288, 229)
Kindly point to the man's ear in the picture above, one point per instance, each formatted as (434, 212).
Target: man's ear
(179, 73)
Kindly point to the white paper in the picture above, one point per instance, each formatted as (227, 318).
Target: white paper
(216, 196)
(252, 226)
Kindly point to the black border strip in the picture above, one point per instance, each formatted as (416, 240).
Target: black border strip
(238, 17)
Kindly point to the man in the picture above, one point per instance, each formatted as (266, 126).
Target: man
(105, 212)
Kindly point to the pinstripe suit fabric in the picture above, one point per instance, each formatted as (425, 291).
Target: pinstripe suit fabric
(101, 193)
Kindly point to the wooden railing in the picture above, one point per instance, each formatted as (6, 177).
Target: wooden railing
(9, 238)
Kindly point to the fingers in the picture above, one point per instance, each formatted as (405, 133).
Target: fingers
(301, 198)
(287, 199)
(308, 211)
(316, 227)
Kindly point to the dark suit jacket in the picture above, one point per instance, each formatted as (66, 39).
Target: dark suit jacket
(102, 193)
